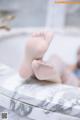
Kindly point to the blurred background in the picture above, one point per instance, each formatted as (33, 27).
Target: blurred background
(40, 13)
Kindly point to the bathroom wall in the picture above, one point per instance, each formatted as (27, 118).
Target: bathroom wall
(38, 13)
(28, 13)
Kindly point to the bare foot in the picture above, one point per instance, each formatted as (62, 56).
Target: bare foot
(45, 71)
(36, 47)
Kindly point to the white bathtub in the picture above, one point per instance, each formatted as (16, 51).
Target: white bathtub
(12, 45)
(34, 100)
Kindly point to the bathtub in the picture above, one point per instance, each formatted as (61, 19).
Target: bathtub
(36, 100)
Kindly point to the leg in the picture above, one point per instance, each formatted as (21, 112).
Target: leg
(37, 45)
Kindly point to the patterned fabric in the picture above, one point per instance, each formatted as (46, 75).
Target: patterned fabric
(37, 99)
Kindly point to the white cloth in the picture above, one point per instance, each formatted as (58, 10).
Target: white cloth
(12, 79)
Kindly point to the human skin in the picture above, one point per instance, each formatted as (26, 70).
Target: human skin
(62, 74)
(49, 70)
(36, 47)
